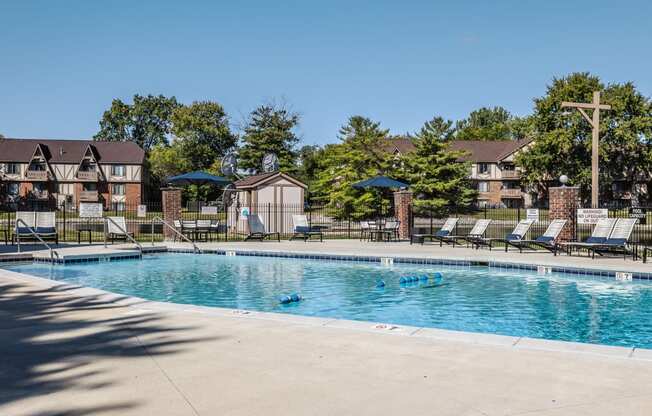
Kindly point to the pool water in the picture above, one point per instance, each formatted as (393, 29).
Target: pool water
(472, 298)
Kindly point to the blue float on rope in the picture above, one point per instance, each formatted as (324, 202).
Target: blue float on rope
(380, 283)
(285, 299)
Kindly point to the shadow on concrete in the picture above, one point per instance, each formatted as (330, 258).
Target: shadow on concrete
(48, 338)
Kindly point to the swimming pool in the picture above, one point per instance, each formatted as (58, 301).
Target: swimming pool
(470, 298)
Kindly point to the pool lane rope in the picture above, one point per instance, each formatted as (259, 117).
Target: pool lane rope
(437, 278)
(293, 298)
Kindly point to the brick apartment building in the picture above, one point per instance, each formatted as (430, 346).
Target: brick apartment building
(493, 172)
(73, 171)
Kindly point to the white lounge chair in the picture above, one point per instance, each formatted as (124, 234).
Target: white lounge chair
(117, 229)
(599, 235)
(518, 233)
(46, 226)
(548, 241)
(257, 229)
(303, 230)
(445, 231)
(24, 225)
(618, 240)
(476, 233)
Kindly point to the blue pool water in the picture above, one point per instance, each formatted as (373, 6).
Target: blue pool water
(477, 299)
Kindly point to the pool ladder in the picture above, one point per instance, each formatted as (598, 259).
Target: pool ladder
(177, 232)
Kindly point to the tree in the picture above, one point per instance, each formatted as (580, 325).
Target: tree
(203, 133)
(438, 179)
(146, 122)
(485, 124)
(563, 140)
(308, 163)
(270, 129)
(359, 156)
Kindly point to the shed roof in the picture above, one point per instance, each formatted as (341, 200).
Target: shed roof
(263, 178)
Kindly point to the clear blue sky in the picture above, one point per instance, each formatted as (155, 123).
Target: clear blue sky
(398, 62)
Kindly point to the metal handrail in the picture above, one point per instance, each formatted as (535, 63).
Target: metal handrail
(106, 222)
(167, 224)
(38, 237)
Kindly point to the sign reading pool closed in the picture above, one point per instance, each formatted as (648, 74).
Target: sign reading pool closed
(591, 215)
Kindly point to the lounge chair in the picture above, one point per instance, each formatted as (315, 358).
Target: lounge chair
(303, 230)
(518, 233)
(548, 241)
(117, 229)
(24, 228)
(443, 232)
(257, 229)
(600, 233)
(46, 226)
(617, 240)
(476, 233)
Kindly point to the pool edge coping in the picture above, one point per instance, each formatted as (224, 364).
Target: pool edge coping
(141, 305)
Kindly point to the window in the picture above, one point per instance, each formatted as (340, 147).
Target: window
(118, 189)
(118, 206)
(12, 169)
(38, 187)
(13, 188)
(89, 186)
(483, 168)
(508, 167)
(36, 166)
(118, 170)
(483, 186)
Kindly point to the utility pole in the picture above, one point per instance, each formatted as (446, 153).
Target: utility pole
(594, 121)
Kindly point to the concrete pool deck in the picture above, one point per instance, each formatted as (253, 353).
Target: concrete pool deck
(67, 350)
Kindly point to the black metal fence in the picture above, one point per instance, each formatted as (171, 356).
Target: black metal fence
(230, 222)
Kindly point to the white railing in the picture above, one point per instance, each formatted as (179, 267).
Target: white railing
(106, 223)
(180, 234)
(38, 237)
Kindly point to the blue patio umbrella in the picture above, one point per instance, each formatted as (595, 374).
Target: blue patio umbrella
(198, 178)
(380, 182)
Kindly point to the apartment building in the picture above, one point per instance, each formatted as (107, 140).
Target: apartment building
(493, 171)
(73, 171)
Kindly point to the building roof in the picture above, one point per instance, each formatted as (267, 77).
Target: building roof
(487, 150)
(260, 179)
(476, 150)
(71, 151)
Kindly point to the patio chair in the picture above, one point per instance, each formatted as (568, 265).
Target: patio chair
(25, 227)
(203, 227)
(548, 241)
(303, 230)
(518, 233)
(257, 229)
(117, 229)
(600, 233)
(443, 232)
(46, 226)
(617, 241)
(476, 233)
(365, 230)
(391, 229)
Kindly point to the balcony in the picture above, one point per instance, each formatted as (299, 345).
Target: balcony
(510, 174)
(36, 175)
(511, 193)
(88, 196)
(87, 175)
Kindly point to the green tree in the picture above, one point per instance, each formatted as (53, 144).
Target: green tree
(485, 124)
(360, 155)
(146, 122)
(563, 139)
(308, 163)
(438, 179)
(203, 133)
(270, 129)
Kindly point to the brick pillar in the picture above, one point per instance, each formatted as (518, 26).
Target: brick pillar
(171, 209)
(563, 202)
(402, 207)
